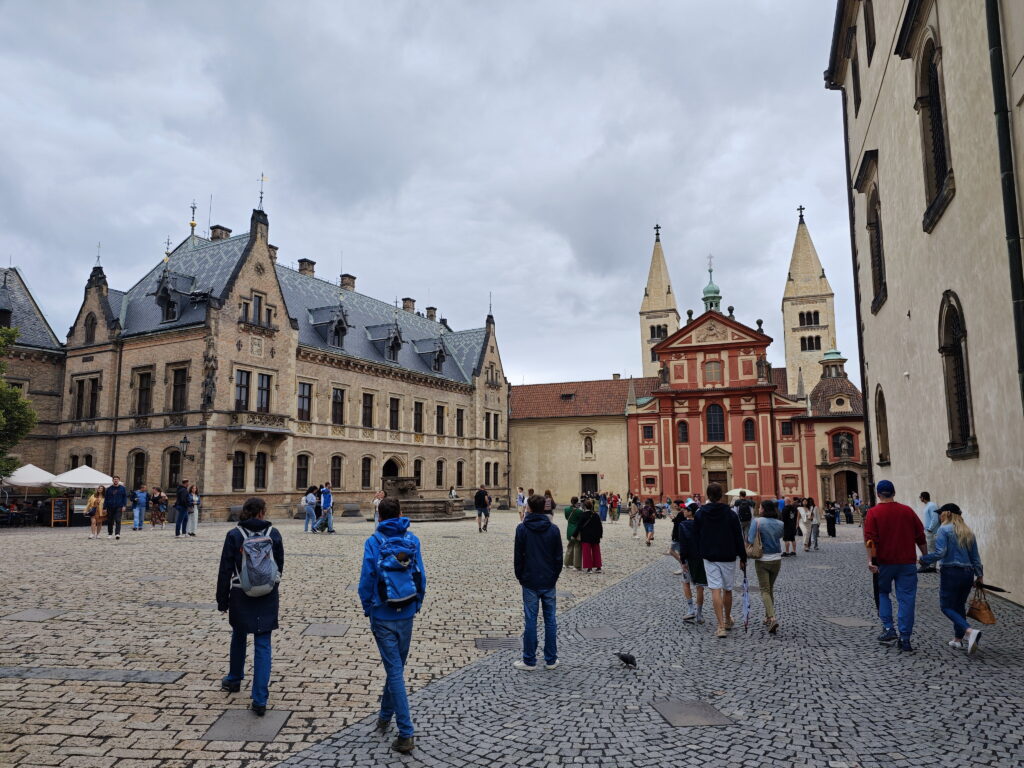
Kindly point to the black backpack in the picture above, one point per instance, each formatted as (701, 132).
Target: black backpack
(744, 510)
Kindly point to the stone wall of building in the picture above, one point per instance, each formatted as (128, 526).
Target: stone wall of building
(40, 377)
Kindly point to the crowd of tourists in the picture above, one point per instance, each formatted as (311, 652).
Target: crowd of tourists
(109, 504)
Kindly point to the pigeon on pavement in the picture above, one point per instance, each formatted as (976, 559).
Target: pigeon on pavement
(628, 659)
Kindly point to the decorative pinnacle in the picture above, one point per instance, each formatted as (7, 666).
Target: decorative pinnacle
(657, 233)
(262, 179)
(800, 209)
(97, 254)
(167, 246)
(193, 222)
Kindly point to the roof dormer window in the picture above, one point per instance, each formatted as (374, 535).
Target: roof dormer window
(170, 311)
(391, 348)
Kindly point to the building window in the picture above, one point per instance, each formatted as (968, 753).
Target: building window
(243, 312)
(869, 28)
(654, 355)
(391, 349)
(439, 474)
(80, 399)
(713, 372)
(803, 316)
(257, 308)
(487, 426)
(173, 469)
(460, 468)
(305, 404)
(144, 394)
(238, 471)
(749, 430)
(682, 432)
(803, 343)
(937, 166)
(170, 311)
(787, 429)
(365, 471)
(263, 393)
(648, 432)
(242, 379)
(90, 328)
(956, 376)
(715, 417)
(842, 445)
(877, 251)
(337, 406)
(259, 471)
(179, 389)
(94, 398)
(487, 473)
(137, 469)
(497, 475)
(87, 459)
(394, 409)
(460, 422)
(495, 431)
(417, 472)
(302, 471)
(440, 419)
(417, 418)
(335, 471)
(882, 427)
(367, 410)
(855, 77)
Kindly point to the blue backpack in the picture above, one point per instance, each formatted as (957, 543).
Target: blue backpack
(258, 575)
(398, 570)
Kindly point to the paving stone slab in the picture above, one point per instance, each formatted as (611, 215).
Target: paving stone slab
(153, 578)
(849, 621)
(34, 614)
(103, 675)
(326, 630)
(565, 595)
(490, 643)
(243, 725)
(820, 567)
(683, 713)
(605, 632)
(173, 604)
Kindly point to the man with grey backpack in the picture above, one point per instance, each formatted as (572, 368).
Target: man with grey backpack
(251, 565)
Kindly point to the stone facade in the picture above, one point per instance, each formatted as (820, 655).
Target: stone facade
(935, 287)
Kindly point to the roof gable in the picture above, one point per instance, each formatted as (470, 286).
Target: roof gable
(713, 329)
(33, 330)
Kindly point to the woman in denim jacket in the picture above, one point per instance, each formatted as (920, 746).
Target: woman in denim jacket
(956, 550)
(770, 528)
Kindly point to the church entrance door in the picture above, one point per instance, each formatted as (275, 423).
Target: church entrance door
(588, 483)
(722, 478)
(390, 468)
(845, 485)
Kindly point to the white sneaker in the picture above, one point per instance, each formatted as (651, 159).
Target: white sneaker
(524, 666)
(110, 535)
(678, 573)
(692, 616)
(552, 666)
(972, 640)
(955, 644)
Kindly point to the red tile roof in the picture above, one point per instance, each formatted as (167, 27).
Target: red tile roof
(826, 389)
(780, 381)
(577, 398)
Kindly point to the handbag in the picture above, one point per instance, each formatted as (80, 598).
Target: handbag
(755, 550)
(979, 609)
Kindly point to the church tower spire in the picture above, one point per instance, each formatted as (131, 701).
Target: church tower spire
(659, 317)
(808, 311)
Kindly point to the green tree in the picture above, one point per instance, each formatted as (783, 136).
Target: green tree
(16, 415)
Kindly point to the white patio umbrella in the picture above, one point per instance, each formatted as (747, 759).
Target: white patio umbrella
(82, 477)
(736, 492)
(29, 476)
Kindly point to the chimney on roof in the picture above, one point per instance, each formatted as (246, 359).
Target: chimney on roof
(616, 376)
(409, 305)
(273, 251)
(218, 232)
(306, 267)
(432, 313)
(348, 282)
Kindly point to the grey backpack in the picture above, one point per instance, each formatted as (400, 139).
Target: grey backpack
(259, 574)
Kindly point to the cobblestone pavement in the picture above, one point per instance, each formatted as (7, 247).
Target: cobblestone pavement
(816, 695)
(144, 604)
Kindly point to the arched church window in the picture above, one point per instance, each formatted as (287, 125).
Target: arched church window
(803, 343)
(956, 376)
(683, 432)
(816, 320)
(715, 417)
(749, 430)
(881, 427)
(877, 251)
(817, 342)
(933, 124)
(803, 318)
(90, 328)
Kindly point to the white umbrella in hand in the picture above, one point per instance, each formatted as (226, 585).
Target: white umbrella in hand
(746, 603)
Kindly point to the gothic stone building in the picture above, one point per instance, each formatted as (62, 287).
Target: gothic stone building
(278, 380)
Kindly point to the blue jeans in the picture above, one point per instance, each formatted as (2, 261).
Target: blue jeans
(546, 597)
(310, 518)
(393, 638)
(904, 577)
(955, 585)
(329, 514)
(140, 517)
(180, 520)
(260, 664)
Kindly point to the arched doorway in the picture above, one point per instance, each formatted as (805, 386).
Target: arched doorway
(390, 468)
(846, 484)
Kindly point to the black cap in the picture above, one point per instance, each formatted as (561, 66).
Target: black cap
(951, 508)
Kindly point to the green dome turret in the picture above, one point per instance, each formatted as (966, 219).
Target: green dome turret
(712, 296)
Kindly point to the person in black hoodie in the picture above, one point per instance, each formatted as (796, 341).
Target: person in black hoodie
(538, 564)
(717, 530)
(256, 616)
(590, 532)
(182, 504)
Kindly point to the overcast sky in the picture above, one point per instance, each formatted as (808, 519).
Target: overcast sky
(446, 149)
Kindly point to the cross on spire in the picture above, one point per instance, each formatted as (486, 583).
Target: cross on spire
(800, 209)
(657, 233)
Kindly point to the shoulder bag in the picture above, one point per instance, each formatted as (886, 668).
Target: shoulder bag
(755, 550)
(979, 609)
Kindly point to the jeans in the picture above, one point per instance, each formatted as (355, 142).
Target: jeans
(260, 663)
(180, 520)
(546, 597)
(393, 638)
(114, 522)
(955, 585)
(310, 518)
(139, 515)
(904, 577)
(329, 514)
(767, 573)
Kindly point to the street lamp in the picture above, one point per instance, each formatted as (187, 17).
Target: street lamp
(183, 448)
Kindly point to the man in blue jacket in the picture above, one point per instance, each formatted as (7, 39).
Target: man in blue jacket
(390, 623)
(115, 499)
(327, 507)
(538, 564)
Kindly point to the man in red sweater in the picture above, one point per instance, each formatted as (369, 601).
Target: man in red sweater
(891, 531)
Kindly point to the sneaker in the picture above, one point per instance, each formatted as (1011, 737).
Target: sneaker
(691, 616)
(258, 709)
(905, 646)
(700, 618)
(720, 632)
(552, 666)
(773, 627)
(972, 640)
(524, 666)
(597, 570)
(956, 644)
(678, 573)
(118, 537)
(382, 726)
(887, 636)
(648, 543)
(403, 744)
(110, 535)
(230, 687)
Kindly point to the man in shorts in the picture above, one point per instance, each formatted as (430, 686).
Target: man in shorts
(694, 578)
(719, 541)
(482, 502)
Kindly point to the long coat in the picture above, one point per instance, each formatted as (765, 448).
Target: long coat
(247, 614)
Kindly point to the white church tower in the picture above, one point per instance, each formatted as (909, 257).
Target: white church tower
(659, 317)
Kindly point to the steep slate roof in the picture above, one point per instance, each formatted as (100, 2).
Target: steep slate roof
(606, 397)
(828, 388)
(307, 297)
(33, 330)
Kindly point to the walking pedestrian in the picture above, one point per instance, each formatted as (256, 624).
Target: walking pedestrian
(573, 550)
(377, 498)
(309, 502)
(482, 502)
(115, 499)
(695, 579)
(744, 510)
(790, 515)
(94, 511)
(256, 616)
(521, 503)
(717, 530)
(675, 548)
(392, 586)
(891, 530)
(327, 507)
(810, 518)
(590, 532)
(634, 517)
(603, 506)
(195, 502)
(831, 512)
(956, 549)
(549, 504)
(538, 564)
(770, 529)
(931, 527)
(139, 499)
(613, 507)
(182, 504)
(649, 514)
(158, 505)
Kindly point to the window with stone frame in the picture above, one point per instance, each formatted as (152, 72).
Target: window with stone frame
(786, 428)
(713, 372)
(368, 410)
(136, 468)
(460, 422)
(487, 473)
(647, 432)
(263, 387)
(938, 166)
(460, 468)
(881, 427)
(439, 419)
(439, 474)
(179, 389)
(90, 328)
(417, 417)
(304, 407)
(337, 406)
(869, 28)
(682, 432)
(243, 379)
(715, 421)
(302, 471)
(496, 432)
(336, 474)
(749, 430)
(143, 392)
(487, 426)
(366, 472)
(88, 460)
(394, 413)
(417, 472)
(876, 250)
(73, 461)
(956, 378)
(238, 471)
(173, 469)
(260, 471)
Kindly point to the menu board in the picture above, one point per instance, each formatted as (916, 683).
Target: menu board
(60, 511)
